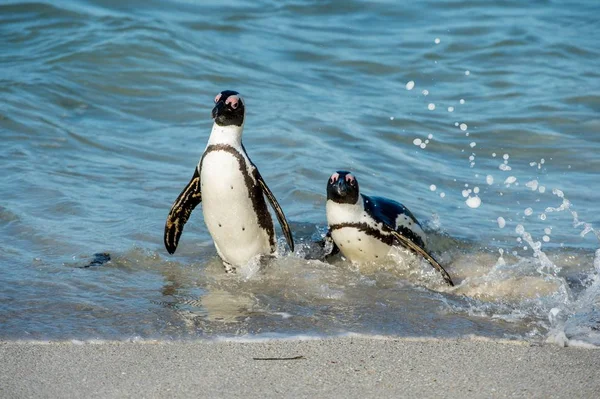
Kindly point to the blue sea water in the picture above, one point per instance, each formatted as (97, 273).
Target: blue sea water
(482, 117)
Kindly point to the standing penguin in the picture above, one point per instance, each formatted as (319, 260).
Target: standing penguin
(364, 228)
(232, 191)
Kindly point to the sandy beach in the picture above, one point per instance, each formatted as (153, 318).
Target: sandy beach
(351, 367)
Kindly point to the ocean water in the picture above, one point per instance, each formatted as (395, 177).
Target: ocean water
(481, 117)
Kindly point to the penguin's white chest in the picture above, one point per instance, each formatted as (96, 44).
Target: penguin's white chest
(350, 227)
(228, 210)
(357, 246)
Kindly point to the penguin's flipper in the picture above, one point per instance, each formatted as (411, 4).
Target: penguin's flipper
(408, 244)
(181, 210)
(278, 211)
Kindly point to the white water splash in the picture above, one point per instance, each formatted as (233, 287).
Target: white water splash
(546, 266)
(576, 323)
(566, 206)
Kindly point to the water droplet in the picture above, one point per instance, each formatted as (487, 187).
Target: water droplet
(532, 184)
(473, 202)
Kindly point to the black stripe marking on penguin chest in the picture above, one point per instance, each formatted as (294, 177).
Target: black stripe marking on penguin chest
(378, 234)
(254, 191)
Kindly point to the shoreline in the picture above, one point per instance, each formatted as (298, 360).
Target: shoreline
(350, 366)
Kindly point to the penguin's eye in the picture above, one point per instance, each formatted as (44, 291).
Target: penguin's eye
(233, 102)
(217, 98)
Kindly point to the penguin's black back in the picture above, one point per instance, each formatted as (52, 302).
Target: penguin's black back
(384, 210)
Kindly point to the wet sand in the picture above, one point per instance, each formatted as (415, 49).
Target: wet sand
(351, 367)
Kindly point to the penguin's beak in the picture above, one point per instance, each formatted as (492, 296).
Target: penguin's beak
(216, 111)
(341, 187)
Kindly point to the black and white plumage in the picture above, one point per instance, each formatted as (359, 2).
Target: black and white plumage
(365, 228)
(232, 193)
